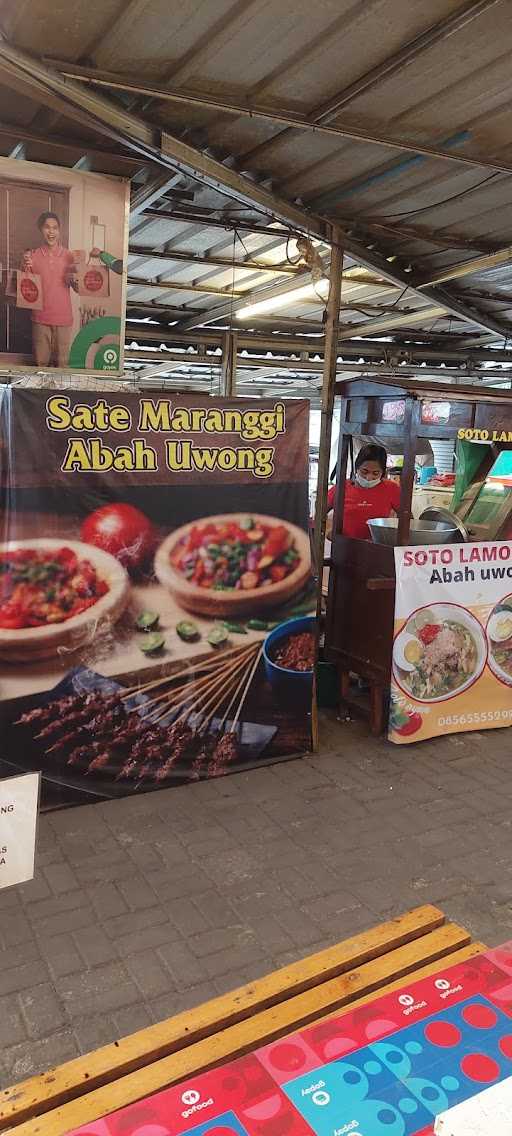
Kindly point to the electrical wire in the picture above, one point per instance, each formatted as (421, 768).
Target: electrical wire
(445, 201)
(402, 294)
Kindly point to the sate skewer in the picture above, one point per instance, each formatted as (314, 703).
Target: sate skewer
(210, 685)
(210, 662)
(226, 749)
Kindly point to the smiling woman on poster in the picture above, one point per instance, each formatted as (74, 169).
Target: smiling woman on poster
(52, 326)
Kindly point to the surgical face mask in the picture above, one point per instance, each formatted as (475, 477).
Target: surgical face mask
(365, 483)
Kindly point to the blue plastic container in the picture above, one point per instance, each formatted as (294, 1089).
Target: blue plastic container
(427, 473)
(287, 684)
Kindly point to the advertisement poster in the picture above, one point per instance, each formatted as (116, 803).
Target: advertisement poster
(388, 1068)
(63, 252)
(452, 651)
(156, 598)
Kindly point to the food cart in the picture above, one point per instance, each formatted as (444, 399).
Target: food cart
(361, 594)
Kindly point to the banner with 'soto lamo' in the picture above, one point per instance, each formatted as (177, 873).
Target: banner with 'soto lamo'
(63, 269)
(452, 651)
(156, 597)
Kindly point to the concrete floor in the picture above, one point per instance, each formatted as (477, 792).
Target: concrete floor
(145, 906)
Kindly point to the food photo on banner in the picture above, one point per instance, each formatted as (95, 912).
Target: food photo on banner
(452, 649)
(156, 601)
(63, 252)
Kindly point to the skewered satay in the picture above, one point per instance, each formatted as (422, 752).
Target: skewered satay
(146, 771)
(66, 740)
(75, 718)
(203, 757)
(99, 761)
(104, 723)
(128, 769)
(224, 753)
(79, 754)
(42, 714)
(183, 740)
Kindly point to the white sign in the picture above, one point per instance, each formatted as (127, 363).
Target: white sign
(488, 1114)
(19, 800)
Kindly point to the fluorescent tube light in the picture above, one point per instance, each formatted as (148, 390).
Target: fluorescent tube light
(308, 291)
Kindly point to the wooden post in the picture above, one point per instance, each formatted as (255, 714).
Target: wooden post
(329, 379)
(229, 356)
(411, 426)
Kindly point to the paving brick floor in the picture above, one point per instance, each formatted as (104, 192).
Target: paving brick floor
(145, 906)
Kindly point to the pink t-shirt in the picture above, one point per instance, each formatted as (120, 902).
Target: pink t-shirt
(52, 265)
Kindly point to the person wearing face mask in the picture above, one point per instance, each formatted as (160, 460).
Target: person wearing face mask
(368, 494)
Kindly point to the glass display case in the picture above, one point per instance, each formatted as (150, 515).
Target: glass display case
(486, 507)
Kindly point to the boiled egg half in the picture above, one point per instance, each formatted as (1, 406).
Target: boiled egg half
(500, 626)
(408, 652)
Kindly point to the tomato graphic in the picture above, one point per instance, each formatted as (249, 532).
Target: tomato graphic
(93, 280)
(413, 723)
(122, 530)
(29, 290)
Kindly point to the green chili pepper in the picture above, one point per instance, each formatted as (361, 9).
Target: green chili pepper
(258, 625)
(218, 635)
(152, 642)
(187, 631)
(235, 628)
(147, 620)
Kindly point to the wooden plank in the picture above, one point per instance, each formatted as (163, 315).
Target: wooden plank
(248, 1034)
(38, 1094)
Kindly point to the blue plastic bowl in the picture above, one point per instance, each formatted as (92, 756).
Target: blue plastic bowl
(288, 684)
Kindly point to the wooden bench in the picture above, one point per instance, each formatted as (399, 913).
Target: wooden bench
(349, 974)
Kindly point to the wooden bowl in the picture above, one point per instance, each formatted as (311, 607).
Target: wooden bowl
(231, 604)
(27, 644)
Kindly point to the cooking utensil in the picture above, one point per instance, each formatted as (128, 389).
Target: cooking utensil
(446, 517)
(384, 530)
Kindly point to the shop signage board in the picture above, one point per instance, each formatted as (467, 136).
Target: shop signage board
(63, 279)
(19, 801)
(388, 1068)
(161, 544)
(452, 650)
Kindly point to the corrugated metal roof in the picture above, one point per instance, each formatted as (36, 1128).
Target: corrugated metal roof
(398, 74)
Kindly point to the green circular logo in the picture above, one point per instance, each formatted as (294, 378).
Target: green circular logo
(107, 355)
(107, 358)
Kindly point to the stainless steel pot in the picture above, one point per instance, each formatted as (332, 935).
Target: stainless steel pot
(384, 530)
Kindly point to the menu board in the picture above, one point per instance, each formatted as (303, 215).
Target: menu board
(386, 1068)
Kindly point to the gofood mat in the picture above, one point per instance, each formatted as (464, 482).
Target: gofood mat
(387, 1068)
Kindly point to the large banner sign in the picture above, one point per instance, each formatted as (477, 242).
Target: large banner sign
(63, 250)
(452, 651)
(156, 595)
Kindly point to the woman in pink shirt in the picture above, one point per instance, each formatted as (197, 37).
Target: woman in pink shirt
(52, 326)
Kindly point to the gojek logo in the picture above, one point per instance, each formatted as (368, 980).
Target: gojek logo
(192, 1098)
(407, 1001)
(320, 1098)
(446, 989)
